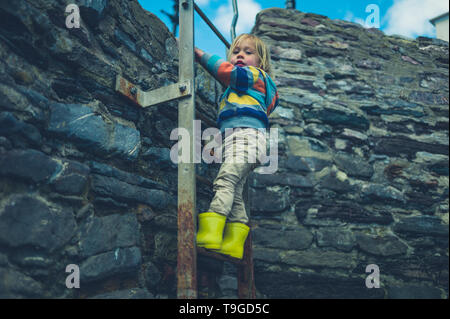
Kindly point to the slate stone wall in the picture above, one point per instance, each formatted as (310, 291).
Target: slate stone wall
(363, 173)
(86, 176)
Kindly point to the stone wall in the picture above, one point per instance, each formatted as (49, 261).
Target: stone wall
(363, 173)
(86, 177)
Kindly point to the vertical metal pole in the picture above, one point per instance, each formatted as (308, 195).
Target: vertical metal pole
(290, 4)
(234, 21)
(246, 276)
(187, 253)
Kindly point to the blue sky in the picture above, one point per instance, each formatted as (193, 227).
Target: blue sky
(404, 17)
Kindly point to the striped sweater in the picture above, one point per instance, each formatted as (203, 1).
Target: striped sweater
(251, 95)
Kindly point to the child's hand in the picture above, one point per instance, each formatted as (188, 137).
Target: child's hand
(198, 54)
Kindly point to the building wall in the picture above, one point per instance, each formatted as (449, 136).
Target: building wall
(442, 29)
(363, 163)
(85, 175)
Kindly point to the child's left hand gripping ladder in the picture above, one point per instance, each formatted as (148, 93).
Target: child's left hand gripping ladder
(184, 92)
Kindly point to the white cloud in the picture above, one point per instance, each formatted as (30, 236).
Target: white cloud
(350, 16)
(247, 14)
(202, 2)
(411, 17)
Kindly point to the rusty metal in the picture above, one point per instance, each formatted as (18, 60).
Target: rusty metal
(185, 93)
(167, 93)
(245, 269)
(186, 260)
(154, 97)
(212, 254)
(246, 276)
(187, 252)
(128, 89)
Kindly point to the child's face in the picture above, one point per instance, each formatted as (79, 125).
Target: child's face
(244, 54)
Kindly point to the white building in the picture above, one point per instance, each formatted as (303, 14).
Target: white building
(441, 24)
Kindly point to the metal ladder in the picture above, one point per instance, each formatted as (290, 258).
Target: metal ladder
(184, 92)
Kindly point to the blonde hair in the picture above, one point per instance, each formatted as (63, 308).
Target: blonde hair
(262, 50)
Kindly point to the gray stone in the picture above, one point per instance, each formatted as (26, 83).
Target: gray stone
(381, 245)
(340, 239)
(283, 238)
(227, 282)
(428, 98)
(152, 275)
(266, 254)
(12, 127)
(79, 124)
(314, 257)
(72, 180)
(399, 145)
(335, 181)
(422, 225)
(305, 284)
(296, 100)
(288, 54)
(263, 180)
(133, 293)
(27, 220)
(110, 171)
(101, 234)
(269, 201)
(125, 39)
(337, 117)
(343, 71)
(386, 193)
(368, 64)
(304, 84)
(353, 165)
(121, 261)
(306, 164)
(160, 156)
(397, 106)
(350, 212)
(125, 142)
(3, 260)
(14, 284)
(82, 126)
(92, 11)
(31, 258)
(318, 130)
(30, 165)
(111, 187)
(414, 292)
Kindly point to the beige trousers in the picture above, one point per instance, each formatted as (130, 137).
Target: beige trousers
(242, 152)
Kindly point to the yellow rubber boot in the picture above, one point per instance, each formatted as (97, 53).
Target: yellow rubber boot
(210, 230)
(234, 239)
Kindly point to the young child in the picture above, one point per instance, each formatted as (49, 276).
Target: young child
(250, 97)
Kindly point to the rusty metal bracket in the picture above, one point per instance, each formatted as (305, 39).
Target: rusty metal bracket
(148, 98)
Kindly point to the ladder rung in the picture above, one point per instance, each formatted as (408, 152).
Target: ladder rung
(212, 254)
(157, 96)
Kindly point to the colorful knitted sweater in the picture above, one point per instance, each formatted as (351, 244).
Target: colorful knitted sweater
(250, 98)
